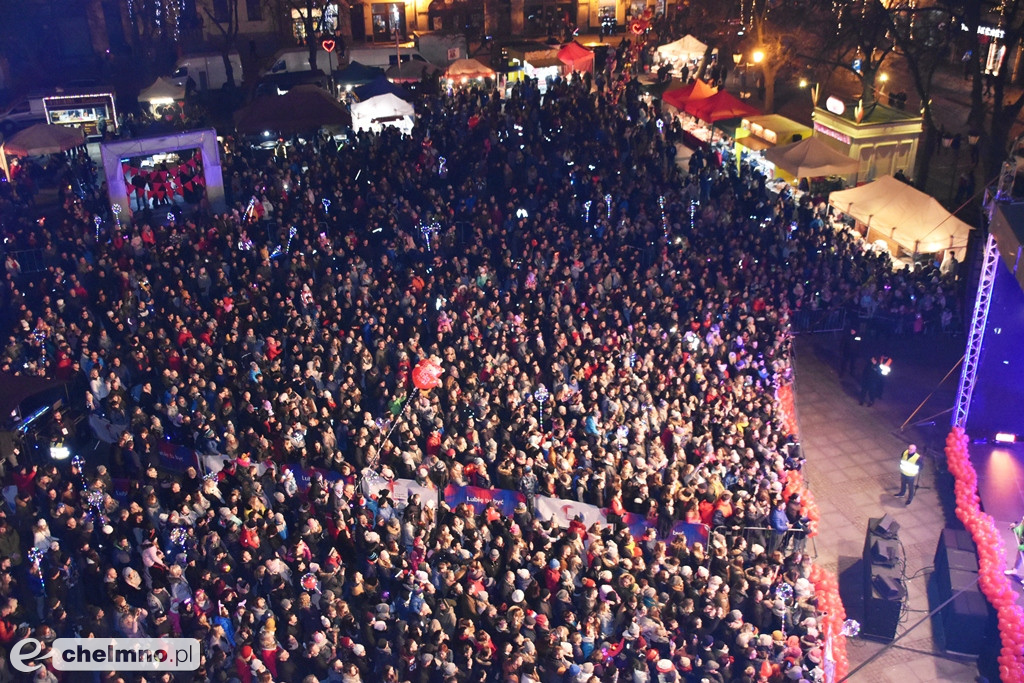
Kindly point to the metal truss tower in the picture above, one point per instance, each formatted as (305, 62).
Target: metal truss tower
(976, 334)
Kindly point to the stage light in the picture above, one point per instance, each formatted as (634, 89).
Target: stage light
(1006, 437)
(58, 451)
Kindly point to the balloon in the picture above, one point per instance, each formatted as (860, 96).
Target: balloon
(427, 375)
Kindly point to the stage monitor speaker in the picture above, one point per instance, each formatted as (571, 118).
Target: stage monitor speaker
(882, 605)
(889, 587)
(884, 552)
(886, 527)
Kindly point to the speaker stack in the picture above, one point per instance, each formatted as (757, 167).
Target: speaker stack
(965, 618)
(883, 588)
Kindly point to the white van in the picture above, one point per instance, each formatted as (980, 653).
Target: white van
(295, 59)
(383, 56)
(207, 70)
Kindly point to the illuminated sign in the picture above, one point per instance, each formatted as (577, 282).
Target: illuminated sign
(835, 105)
(989, 31)
(834, 134)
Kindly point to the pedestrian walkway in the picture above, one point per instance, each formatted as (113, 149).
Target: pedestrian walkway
(853, 468)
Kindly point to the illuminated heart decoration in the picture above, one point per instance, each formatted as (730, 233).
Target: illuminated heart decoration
(328, 45)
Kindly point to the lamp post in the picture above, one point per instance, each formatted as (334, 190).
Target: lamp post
(815, 89)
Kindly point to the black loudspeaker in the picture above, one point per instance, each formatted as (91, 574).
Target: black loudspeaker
(883, 591)
(886, 527)
(889, 587)
(966, 618)
(884, 552)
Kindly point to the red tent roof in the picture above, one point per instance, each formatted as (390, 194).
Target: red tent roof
(697, 90)
(719, 106)
(577, 57)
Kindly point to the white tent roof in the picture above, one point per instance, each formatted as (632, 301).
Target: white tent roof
(382, 107)
(907, 216)
(686, 47)
(162, 89)
(468, 68)
(811, 158)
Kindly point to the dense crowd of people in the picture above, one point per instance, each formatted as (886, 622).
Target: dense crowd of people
(522, 242)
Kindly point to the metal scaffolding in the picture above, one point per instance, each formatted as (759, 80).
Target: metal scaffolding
(976, 335)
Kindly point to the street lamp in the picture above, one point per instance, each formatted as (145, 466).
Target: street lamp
(758, 56)
(814, 90)
(737, 57)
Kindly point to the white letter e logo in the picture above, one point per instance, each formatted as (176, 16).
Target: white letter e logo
(19, 657)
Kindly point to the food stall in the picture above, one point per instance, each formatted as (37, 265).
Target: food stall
(701, 116)
(759, 133)
(92, 110)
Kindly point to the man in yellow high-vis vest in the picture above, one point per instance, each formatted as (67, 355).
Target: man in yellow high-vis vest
(910, 467)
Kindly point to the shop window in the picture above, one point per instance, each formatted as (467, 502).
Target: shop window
(299, 24)
(388, 19)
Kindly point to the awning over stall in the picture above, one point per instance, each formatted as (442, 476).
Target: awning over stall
(697, 90)
(577, 57)
(811, 158)
(904, 215)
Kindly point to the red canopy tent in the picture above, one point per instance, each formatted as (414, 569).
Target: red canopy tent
(698, 90)
(577, 57)
(718, 107)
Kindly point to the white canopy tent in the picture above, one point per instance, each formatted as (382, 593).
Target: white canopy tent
(903, 217)
(811, 158)
(683, 51)
(383, 110)
(162, 91)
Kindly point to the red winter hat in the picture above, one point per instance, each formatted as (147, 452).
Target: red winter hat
(246, 652)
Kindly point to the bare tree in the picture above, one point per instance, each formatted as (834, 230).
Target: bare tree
(224, 15)
(855, 35)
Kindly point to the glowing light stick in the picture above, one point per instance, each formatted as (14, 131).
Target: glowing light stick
(292, 231)
(442, 165)
(116, 209)
(586, 216)
(327, 204)
(98, 221)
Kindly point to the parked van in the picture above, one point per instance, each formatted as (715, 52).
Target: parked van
(207, 70)
(383, 56)
(22, 114)
(293, 59)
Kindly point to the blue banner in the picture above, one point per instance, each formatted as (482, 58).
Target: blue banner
(177, 458)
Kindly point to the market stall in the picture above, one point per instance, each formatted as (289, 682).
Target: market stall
(810, 158)
(412, 72)
(695, 90)
(302, 109)
(39, 140)
(907, 220)
(387, 110)
(700, 116)
(688, 52)
(92, 110)
(162, 93)
(356, 74)
(575, 57)
(381, 86)
(463, 71)
(758, 134)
